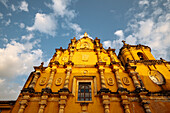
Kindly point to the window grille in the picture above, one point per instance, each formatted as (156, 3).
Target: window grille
(84, 91)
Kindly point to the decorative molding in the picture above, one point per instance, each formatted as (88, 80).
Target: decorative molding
(58, 81)
(156, 77)
(43, 81)
(126, 81)
(85, 57)
(146, 62)
(110, 81)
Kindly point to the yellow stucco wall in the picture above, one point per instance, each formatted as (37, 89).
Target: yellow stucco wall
(116, 81)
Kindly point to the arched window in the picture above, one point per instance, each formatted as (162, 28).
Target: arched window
(84, 91)
(141, 56)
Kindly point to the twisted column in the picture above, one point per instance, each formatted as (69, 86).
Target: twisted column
(116, 71)
(103, 84)
(119, 82)
(135, 81)
(50, 81)
(68, 72)
(140, 80)
(34, 81)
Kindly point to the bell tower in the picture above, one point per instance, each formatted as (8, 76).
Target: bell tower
(134, 52)
(139, 59)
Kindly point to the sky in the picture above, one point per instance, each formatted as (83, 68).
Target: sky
(31, 30)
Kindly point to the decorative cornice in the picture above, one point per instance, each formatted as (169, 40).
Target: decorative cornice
(46, 90)
(122, 90)
(30, 90)
(128, 66)
(100, 63)
(64, 90)
(147, 62)
(54, 63)
(68, 63)
(104, 90)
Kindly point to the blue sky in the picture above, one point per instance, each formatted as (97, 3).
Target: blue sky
(30, 30)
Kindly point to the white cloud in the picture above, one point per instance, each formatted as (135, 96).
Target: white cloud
(19, 57)
(9, 14)
(60, 8)
(154, 29)
(7, 22)
(16, 62)
(9, 90)
(150, 26)
(13, 7)
(24, 6)
(21, 25)
(1, 16)
(41, 25)
(65, 34)
(131, 40)
(115, 43)
(75, 27)
(4, 2)
(143, 2)
(119, 33)
(5, 40)
(145, 28)
(27, 37)
(107, 44)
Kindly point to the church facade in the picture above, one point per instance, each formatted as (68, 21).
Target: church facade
(86, 78)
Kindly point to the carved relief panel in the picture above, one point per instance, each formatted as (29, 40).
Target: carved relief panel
(58, 81)
(110, 81)
(156, 77)
(43, 81)
(126, 81)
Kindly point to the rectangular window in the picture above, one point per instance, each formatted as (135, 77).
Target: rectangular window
(84, 91)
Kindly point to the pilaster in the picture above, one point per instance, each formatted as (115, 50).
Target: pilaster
(34, 81)
(23, 103)
(102, 79)
(144, 101)
(106, 102)
(133, 74)
(43, 103)
(52, 74)
(140, 80)
(119, 82)
(124, 101)
(62, 101)
(68, 73)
